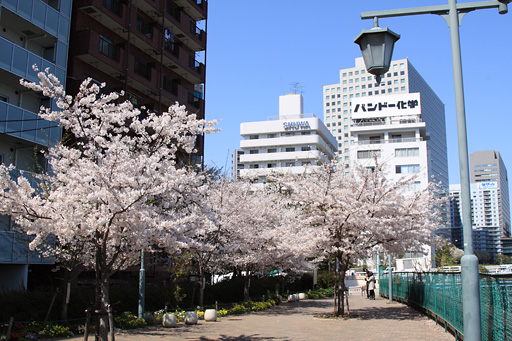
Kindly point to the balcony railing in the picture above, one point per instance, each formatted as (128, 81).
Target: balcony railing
(388, 121)
(382, 141)
(25, 124)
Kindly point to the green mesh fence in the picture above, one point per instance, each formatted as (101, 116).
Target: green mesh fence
(441, 293)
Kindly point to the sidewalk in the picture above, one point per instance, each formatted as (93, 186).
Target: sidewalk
(371, 320)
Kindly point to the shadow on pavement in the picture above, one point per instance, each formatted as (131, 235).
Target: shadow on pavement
(387, 313)
(242, 337)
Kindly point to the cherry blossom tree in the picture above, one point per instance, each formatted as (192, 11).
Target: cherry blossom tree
(263, 234)
(118, 189)
(354, 214)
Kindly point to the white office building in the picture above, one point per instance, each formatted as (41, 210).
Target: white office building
(400, 120)
(385, 125)
(285, 143)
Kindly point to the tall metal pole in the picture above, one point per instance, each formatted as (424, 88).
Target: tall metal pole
(390, 280)
(469, 262)
(142, 285)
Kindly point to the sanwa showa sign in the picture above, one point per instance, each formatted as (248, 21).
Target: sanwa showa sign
(388, 105)
(296, 125)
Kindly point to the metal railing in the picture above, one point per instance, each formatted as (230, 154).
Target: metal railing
(441, 295)
(398, 140)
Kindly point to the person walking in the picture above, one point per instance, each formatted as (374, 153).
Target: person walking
(371, 285)
(366, 279)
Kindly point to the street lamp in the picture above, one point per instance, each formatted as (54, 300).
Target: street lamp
(452, 13)
(377, 48)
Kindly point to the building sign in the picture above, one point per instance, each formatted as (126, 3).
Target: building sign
(296, 125)
(378, 106)
(486, 185)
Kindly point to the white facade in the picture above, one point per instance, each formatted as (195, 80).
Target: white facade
(284, 144)
(357, 86)
(391, 128)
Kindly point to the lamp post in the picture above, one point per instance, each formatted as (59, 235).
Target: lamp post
(452, 13)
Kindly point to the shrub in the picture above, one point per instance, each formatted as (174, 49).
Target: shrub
(129, 321)
(222, 312)
(54, 330)
(320, 293)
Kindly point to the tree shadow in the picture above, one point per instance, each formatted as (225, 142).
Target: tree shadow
(243, 337)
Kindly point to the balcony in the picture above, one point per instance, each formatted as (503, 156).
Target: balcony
(19, 61)
(386, 123)
(184, 26)
(26, 125)
(109, 13)
(197, 9)
(99, 52)
(182, 62)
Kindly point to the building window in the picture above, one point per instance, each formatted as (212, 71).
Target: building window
(254, 151)
(305, 149)
(290, 164)
(290, 149)
(254, 137)
(272, 150)
(407, 152)
(271, 136)
(173, 10)
(114, 6)
(271, 165)
(108, 48)
(405, 169)
(144, 27)
(368, 154)
(170, 85)
(142, 69)
(254, 166)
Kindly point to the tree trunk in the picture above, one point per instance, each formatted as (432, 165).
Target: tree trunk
(341, 288)
(201, 287)
(104, 305)
(247, 284)
(69, 276)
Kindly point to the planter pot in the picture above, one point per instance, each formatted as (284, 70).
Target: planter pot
(169, 320)
(190, 317)
(293, 298)
(210, 315)
(302, 296)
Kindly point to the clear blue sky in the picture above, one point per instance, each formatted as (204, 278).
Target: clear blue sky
(256, 49)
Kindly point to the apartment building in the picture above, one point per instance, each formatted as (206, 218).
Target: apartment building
(31, 33)
(153, 50)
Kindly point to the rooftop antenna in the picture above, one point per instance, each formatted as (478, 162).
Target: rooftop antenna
(297, 88)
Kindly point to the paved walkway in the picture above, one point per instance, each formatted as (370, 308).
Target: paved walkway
(370, 320)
